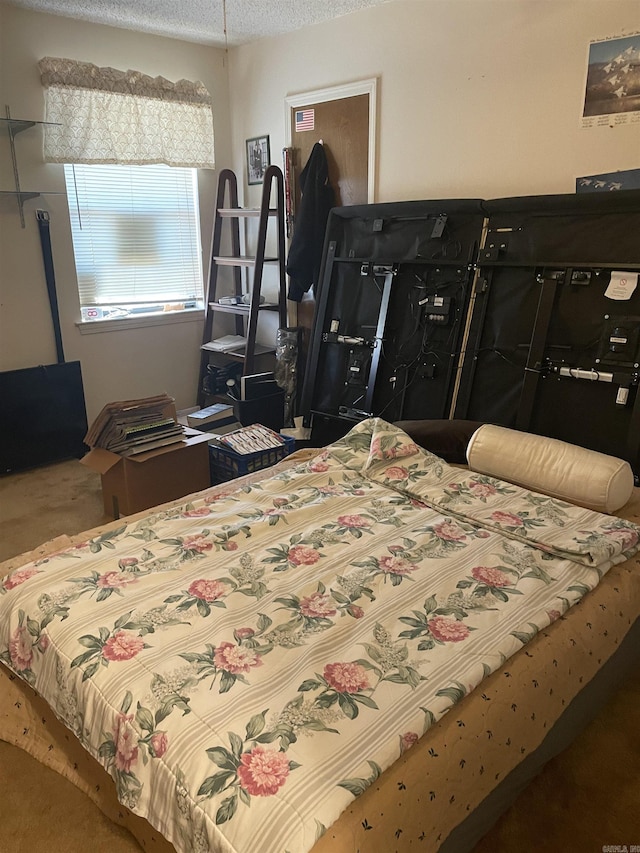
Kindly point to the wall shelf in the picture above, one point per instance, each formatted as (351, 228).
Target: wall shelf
(14, 126)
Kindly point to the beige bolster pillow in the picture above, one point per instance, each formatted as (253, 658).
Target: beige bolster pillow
(574, 474)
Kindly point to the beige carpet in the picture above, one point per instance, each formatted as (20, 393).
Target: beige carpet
(40, 504)
(585, 799)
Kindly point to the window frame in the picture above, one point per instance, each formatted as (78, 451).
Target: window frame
(142, 318)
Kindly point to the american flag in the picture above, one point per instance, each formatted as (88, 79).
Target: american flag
(305, 119)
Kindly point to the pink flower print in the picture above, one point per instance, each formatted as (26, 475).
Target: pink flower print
(158, 743)
(318, 467)
(330, 490)
(490, 576)
(449, 531)
(507, 518)
(21, 649)
(376, 450)
(317, 606)
(407, 740)
(122, 646)
(244, 633)
(126, 744)
(114, 580)
(346, 677)
(263, 772)
(625, 536)
(397, 472)
(235, 659)
(127, 562)
(43, 642)
(353, 521)
(416, 503)
(448, 630)
(207, 590)
(482, 490)
(277, 511)
(482, 534)
(230, 546)
(407, 449)
(554, 615)
(19, 576)
(303, 555)
(196, 543)
(280, 502)
(211, 499)
(355, 611)
(196, 513)
(396, 565)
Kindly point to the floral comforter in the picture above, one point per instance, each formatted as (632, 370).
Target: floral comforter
(244, 665)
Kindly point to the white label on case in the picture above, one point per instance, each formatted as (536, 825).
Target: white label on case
(622, 285)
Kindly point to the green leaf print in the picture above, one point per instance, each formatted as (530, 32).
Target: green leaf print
(358, 786)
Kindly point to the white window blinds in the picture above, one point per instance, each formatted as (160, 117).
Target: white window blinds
(135, 238)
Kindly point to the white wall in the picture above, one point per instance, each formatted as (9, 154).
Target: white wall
(477, 98)
(119, 364)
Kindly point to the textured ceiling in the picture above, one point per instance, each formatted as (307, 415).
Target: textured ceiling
(203, 20)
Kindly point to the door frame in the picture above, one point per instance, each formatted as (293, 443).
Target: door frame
(336, 93)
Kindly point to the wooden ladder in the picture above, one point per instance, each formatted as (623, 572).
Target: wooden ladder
(246, 314)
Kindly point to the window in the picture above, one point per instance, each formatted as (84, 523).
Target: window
(136, 239)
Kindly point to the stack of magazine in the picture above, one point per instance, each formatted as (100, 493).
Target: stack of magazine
(133, 426)
(227, 343)
(251, 439)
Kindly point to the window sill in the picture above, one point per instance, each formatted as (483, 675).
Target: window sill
(124, 323)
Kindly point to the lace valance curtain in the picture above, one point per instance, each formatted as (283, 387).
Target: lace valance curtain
(125, 117)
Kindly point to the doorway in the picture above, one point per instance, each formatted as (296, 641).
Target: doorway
(344, 119)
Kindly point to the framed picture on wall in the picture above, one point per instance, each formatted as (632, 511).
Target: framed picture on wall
(258, 158)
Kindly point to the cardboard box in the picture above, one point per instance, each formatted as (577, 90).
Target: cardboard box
(134, 483)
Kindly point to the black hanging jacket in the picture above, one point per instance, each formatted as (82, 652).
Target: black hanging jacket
(317, 199)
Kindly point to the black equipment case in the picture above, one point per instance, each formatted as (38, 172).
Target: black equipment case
(523, 312)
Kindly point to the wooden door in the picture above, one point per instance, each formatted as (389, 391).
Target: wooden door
(345, 124)
(343, 127)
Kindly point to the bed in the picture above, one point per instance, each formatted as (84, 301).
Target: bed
(367, 649)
